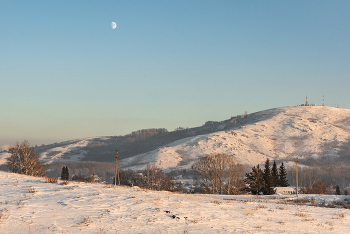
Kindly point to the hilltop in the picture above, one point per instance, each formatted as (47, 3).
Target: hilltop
(290, 132)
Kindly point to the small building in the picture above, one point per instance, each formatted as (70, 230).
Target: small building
(285, 190)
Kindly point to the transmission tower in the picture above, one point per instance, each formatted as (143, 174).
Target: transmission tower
(306, 102)
(323, 100)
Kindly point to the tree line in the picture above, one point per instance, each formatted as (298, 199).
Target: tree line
(214, 173)
(266, 181)
(144, 134)
(151, 177)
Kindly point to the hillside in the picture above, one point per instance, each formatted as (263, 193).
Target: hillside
(281, 134)
(290, 132)
(29, 205)
(102, 149)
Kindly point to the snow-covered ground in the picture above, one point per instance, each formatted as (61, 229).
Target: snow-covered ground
(299, 131)
(4, 153)
(29, 205)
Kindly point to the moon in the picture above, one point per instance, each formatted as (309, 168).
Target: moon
(114, 25)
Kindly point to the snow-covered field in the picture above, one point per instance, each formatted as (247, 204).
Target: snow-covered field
(29, 205)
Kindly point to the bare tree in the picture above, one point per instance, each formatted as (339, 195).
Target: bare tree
(154, 178)
(23, 160)
(128, 177)
(219, 171)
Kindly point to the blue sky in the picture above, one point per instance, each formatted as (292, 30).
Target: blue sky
(66, 74)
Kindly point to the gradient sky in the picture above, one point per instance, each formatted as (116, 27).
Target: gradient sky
(66, 74)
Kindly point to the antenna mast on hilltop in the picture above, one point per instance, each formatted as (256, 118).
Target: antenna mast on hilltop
(306, 102)
(323, 100)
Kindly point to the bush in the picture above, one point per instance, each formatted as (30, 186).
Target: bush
(50, 180)
(79, 178)
(318, 187)
(65, 182)
(154, 178)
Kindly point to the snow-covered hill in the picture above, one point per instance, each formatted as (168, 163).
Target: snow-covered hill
(29, 205)
(303, 131)
(73, 150)
(280, 134)
(3, 153)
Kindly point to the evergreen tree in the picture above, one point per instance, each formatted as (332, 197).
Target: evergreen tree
(337, 190)
(283, 176)
(255, 179)
(65, 173)
(274, 174)
(268, 189)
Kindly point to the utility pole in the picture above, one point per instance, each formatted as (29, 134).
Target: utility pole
(116, 169)
(296, 167)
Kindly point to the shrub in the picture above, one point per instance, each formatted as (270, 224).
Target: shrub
(50, 180)
(79, 178)
(65, 182)
(31, 190)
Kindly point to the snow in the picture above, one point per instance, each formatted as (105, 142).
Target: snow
(72, 150)
(300, 131)
(4, 147)
(4, 153)
(29, 205)
(76, 149)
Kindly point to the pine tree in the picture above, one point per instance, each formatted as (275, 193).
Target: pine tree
(283, 176)
(337, 190)
(65, 173)
(274, 174)
(268, 189)
(255, 179)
